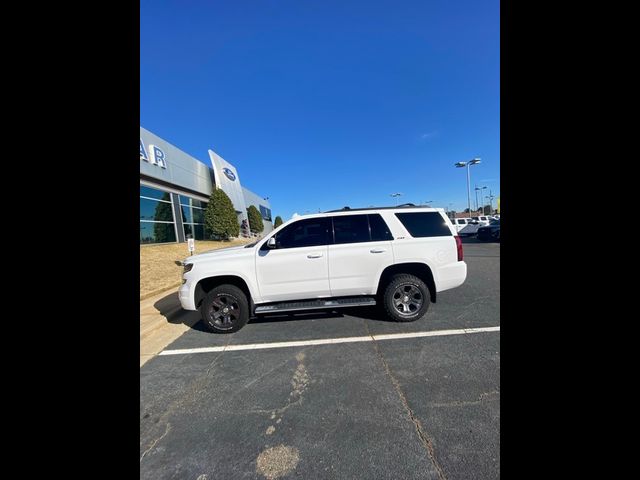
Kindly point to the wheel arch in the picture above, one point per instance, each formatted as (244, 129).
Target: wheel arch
(206, 284)
(420, 270)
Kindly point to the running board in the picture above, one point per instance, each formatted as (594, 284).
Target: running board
(316, 304)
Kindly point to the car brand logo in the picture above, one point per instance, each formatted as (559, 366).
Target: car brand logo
(230, 175)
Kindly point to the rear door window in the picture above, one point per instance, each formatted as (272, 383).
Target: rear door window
(424, 224)
(351, 229)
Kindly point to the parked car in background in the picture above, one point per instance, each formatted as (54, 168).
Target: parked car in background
(470, 229)
(460, 223)
(490, 232)
(482, 219)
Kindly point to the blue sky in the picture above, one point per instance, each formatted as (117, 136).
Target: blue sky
(321, 104)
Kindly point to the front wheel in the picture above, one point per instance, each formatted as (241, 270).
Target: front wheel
(225, 309)
(406, 298)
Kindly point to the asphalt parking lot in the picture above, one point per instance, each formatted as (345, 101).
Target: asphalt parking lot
(416, 407)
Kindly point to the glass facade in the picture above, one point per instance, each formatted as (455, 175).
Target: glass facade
(266, 213)
(157, 224)
(193, 216)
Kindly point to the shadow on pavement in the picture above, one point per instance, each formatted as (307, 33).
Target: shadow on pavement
(169, 307)
(474, 239)
(369, 313)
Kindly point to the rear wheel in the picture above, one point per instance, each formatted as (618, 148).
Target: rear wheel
(406, 298)
(225, 309)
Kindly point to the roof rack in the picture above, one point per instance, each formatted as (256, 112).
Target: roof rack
(349, 209)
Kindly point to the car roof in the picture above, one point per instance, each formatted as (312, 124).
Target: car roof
(352, 211)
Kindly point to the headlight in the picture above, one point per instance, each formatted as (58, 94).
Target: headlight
(187, 267)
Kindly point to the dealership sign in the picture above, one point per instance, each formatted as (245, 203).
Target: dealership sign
(230, 175)
(155, 156)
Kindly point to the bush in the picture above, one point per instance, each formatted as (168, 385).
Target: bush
(277, 222)
(220, 218)
(255, 219)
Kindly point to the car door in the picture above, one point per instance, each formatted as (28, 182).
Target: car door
(361, 249)
(298, 267)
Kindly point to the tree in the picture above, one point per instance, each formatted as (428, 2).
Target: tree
(220, 218)
(277, 222)
(255, 219)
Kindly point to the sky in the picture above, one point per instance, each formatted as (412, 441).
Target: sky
(321, 104)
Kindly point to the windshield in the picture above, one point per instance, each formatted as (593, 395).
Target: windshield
(495, 222)
(249, 245)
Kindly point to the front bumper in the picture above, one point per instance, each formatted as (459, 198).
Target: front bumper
(187, 297)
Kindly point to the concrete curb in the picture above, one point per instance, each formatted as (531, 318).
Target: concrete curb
(161, 325)
(159, 291)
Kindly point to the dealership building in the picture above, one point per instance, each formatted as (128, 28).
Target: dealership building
(175, 189)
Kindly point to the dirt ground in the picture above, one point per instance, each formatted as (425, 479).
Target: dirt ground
(158, 270)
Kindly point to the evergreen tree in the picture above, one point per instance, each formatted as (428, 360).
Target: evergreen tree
(277, 222)
(220, 218)
(255, 219)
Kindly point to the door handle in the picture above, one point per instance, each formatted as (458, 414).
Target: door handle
(377, 250)
(314, 255)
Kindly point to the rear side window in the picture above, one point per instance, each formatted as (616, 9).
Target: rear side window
(424, 224)
(351, 229)
(379, 229)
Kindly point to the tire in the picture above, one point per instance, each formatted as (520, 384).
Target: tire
(213, 305)
(411, 286)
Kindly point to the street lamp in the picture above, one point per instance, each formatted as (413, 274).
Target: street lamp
(481, 197)
(427, 202)
(475, 161)
(396, 195)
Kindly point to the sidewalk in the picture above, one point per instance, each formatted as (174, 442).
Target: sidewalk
(162, 320)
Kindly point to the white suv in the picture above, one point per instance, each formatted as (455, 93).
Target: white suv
(399, 257)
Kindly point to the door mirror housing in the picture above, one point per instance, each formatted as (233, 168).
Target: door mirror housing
(271, 243)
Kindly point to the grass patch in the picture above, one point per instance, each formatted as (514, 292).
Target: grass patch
(158, 270)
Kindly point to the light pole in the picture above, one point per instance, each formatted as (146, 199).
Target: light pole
(481, 198)
(476, 189)
(491, 197)
(475, 161)
(396, 195)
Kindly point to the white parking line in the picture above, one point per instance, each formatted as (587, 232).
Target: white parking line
(329, 341)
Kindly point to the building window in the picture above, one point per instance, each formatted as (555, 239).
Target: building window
(193, 217)
(156, 216)
(266, 213)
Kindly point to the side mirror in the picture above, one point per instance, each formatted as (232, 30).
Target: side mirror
(271, 243)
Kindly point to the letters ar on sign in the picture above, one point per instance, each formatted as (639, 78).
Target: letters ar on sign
(155, 155)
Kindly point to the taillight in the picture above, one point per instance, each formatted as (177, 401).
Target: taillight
(459, 245)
